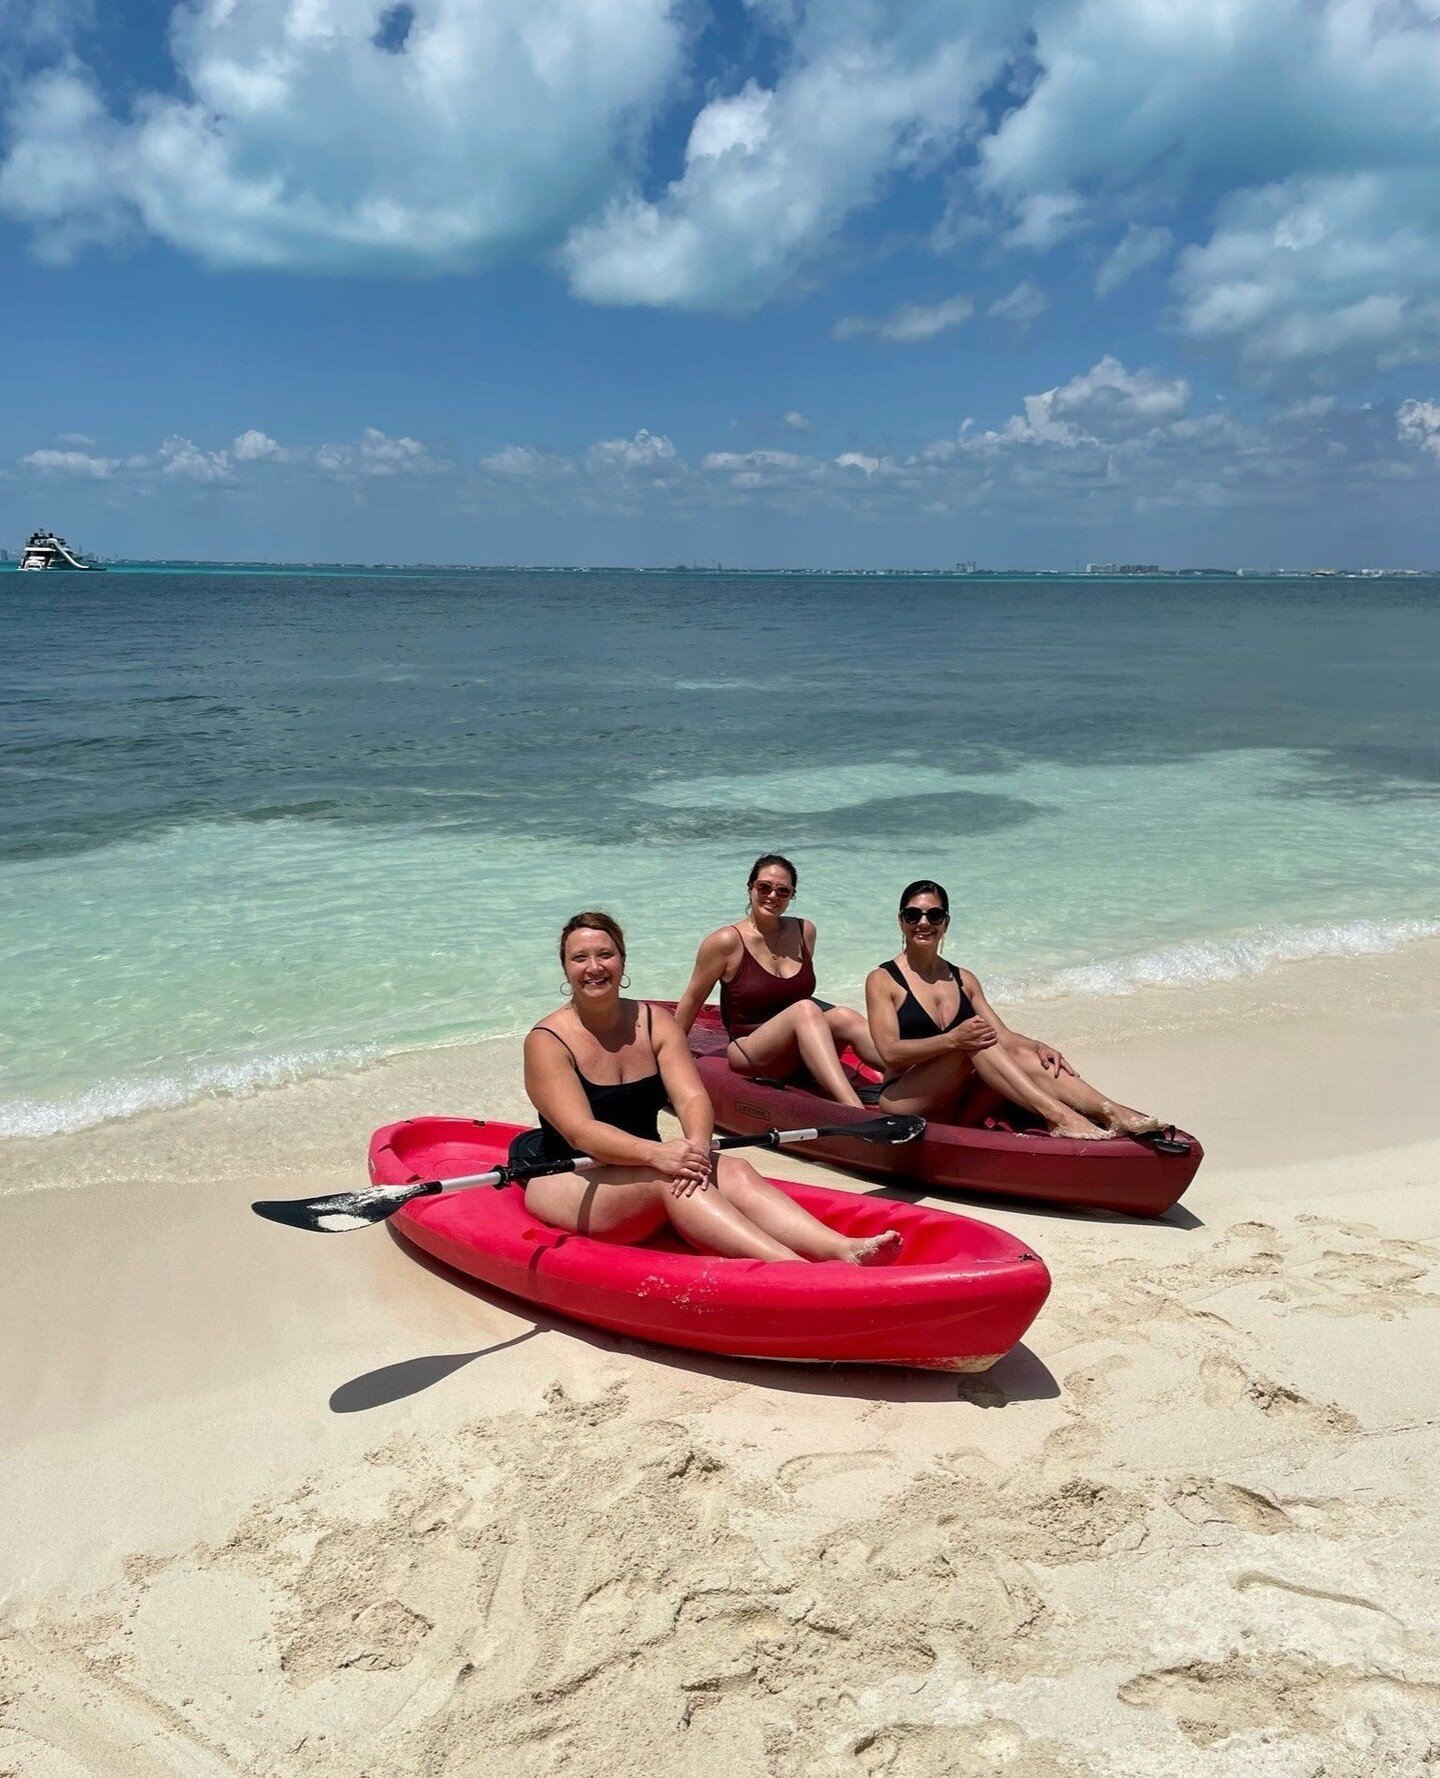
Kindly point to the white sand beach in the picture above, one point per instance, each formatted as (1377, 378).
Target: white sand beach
(284, 1505)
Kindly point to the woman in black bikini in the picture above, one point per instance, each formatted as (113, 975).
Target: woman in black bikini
(598, 1071)
(938, 1034)
(766, 971)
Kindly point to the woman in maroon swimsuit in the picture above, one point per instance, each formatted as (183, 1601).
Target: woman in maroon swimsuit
(766, 971)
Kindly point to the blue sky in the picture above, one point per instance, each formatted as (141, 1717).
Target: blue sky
(868, 281)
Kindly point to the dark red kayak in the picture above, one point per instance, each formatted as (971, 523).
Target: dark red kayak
(1135, 1177)
(957, 1296)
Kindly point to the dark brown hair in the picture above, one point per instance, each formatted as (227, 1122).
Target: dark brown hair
(600, 922)
(772, 858)
(924, 886)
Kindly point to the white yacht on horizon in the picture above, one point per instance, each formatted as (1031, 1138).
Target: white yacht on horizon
(47, 549)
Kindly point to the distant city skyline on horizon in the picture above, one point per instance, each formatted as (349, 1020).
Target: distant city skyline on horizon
(956, 571)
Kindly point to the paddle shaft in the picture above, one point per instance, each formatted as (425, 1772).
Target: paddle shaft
(343, 1211)
(508, 1175)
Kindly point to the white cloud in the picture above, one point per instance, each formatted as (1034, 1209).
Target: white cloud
(1237, 87)
(1318, 122)
(1101, 448)
(82, 439)
(1138, 247)
(755, 471)
(72, 463)
(867, 89)
(1105, 403)
(183, 457)
(376, 454)
(254, 446)
(911, 324)
(795, 421)
(1022, 307)
(1108, 389)
(646, 452)
(1418, 423)
(516, 129)
(301, 143)
(1042, 219)
(57, 176)
(1343, 273)
(521, 460)
(44, 25)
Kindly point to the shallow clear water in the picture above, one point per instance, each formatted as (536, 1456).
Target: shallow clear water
(252, 825)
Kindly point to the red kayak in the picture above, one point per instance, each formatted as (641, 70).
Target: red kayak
(957, 1297)
(1135, 1177)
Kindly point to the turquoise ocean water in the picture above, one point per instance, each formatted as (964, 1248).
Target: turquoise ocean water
(259, 825)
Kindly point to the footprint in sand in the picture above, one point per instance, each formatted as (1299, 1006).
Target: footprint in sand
(1093, 1384)
(1266, 1253)
(1357, 1229)
(826, 1466)
(1205, 1499)
(1284, 1693)
(1379, 1284)
(925, 1750)
(1222, 1380)
(1226, 1383)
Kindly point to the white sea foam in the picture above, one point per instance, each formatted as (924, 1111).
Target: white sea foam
(723, 684)
(113, 1099)
(1246, 953)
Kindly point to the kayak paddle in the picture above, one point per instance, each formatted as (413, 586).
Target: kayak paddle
(343, 1211)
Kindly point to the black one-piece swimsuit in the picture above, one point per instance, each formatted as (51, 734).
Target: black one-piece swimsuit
(912, 1018)
(633, 1106)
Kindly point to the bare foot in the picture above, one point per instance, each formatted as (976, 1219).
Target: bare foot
(1125, 1122)
(1080, 1129)
(878, 1250)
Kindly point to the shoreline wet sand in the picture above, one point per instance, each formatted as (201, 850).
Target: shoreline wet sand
(284, 1504)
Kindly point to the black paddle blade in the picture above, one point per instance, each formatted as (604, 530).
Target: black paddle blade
(342, 1211)
(891, 1130)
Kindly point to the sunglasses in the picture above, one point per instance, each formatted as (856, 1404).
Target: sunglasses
(931, 916)
(776, 890)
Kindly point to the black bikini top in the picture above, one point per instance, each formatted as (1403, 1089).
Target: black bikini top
(912, 1017)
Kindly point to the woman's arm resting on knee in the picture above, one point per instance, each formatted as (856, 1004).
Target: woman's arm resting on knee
(1050, 1057)
(714, 957)
(688, 1098)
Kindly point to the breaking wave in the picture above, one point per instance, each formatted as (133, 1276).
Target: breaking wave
(1246, 953)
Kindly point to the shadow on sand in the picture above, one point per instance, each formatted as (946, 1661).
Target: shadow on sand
(393, 1382)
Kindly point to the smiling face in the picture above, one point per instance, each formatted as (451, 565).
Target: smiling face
(594, 964)
(772, 891)
(923, 922)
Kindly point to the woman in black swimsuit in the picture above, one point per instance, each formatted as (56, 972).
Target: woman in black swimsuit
(938, 1035)
(598, 1071)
